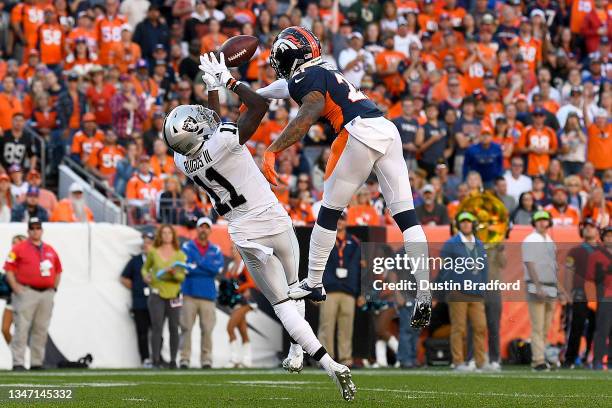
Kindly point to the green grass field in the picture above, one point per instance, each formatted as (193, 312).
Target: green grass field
(312, 388)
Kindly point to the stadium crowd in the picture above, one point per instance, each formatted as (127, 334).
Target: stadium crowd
(509, 95)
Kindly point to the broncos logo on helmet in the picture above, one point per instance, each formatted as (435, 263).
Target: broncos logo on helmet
(292, 48)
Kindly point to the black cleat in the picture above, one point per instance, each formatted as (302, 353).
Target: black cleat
(303, 291)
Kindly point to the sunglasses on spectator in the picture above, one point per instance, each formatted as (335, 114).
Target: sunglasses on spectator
(35, 228)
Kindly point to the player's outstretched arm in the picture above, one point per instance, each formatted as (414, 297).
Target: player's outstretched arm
(213, 101)
(310, 111)
(256, 108)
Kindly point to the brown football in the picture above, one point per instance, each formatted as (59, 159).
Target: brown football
(239, 50)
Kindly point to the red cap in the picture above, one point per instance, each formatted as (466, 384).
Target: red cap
(32, 174)
(89, 117)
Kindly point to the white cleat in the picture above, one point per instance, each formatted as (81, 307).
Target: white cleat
(341, 375)
(294, 364)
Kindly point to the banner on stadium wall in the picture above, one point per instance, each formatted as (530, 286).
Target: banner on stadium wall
(92, 309)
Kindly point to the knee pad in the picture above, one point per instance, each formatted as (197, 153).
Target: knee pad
(406, 219)
(328, 218)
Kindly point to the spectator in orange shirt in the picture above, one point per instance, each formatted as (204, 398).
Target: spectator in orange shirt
(561, 212)
(538, 142)
(362, 212)
(588, 177)
(126, 52)
(103, 159)
(387, 65)
(86, 139)
(108, 29)
(9, 103)
(300, 209)
(599, 141)
(26, 17)
(51, 40)
(598, 208)
(73, 208)
(161, 163)
(530, 48)
(452, 207)
(213, 40)
(142, 191)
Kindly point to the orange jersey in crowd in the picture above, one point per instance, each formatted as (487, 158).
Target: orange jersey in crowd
(301, 214)
(531, 51)
(544, 138)
(143, 189)
(29, 17)
(64, 212)
(162, 167)
(124, 55)
(84, 145)
(363, 214)
(393, 81)
(108, 30)
(80, 32)
(9, 105)
(211, 42)
(600, 146)
(427, 22)
(51, 43)
(105, 158)
(600, 214)
(580, 8)
(267, 132)
(570, 216)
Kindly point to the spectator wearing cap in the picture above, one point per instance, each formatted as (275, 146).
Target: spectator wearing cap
(485, 158)
(466, 305)
(128, 110)
(598, 272)
(19, 187)
(72, 208)
(539, 256)
(10, 104)
(154, 132)
(200, 293)
(387, 66)
(99, 96)
(81, 59)
(87, 139)
(538, 142)
(355, 61)
(126, 52)
(144, 85)
(560, 211)
(46, 198)
(431, 212)
(71, 107)
(33, 270)
(599, 141)
(342, 282)
(30, 208)
(7, 202)
(151, 31)
(596, 24)
(103, 159)
(578, 311)
(574, 105)
(17, 146)
(131, 278)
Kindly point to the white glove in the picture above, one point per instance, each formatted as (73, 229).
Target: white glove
(210, 65)
(211, 82)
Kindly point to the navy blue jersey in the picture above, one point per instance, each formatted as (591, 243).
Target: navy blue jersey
(343, 102)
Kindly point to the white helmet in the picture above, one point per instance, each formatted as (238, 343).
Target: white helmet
(187, 127)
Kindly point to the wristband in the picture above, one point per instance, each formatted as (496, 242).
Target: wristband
(232, 84)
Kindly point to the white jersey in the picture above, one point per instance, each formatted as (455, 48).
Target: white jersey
(226, 170)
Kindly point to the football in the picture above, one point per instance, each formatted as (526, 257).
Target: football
(239, 50)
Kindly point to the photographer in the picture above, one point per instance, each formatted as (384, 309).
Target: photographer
(131, 278)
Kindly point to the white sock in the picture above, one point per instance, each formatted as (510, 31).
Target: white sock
(322, 241)
(247, 357)
(295, 350)
(326, 361)
(393, 344)
(297, 327)
(381, 353)
(415, 244)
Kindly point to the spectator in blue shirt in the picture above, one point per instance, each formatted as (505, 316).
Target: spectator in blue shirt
(485, 158)
(199, 292)
(131, 278)
(342, 281)
(29, 208)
